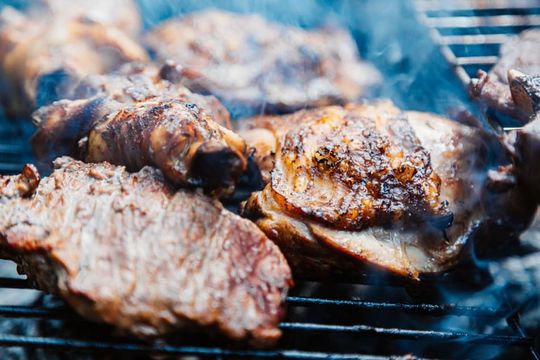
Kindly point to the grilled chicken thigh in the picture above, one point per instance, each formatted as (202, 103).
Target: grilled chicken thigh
(256, 66)
(370, 184)
(135, 118)
(127, 250)
(40, 57)
(494, 88)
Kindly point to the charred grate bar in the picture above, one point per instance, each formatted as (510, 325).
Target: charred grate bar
(470, 32)
(517, 338)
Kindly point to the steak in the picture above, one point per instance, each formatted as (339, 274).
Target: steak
(126, 250)
(255, 66)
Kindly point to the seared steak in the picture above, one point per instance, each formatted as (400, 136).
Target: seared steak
(126, 250)
(369, 184)
(135, 118)
(256, 66)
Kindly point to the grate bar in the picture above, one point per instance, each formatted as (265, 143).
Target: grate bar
(428, 309)
(483, 21)
(72, 344)
(430, 5)
(410, 334)
(14, 283)
(481, 39)
(477, 60)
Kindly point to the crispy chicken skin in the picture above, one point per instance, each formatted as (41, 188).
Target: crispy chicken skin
(256, 66)
(408, 197)
(520, 53)
(41, 57)
(170, 259)
(135, 118)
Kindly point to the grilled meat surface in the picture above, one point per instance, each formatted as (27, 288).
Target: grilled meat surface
(121, 14)
(135, 118)
(41, 57)
(255, 66)
(125, 249)
(369, 184)
(494, 88)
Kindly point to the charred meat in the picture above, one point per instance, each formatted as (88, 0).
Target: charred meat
(40, 60)
(125, 249)
(494, 88)
(255, 66)
(135, 118)
(370, 184)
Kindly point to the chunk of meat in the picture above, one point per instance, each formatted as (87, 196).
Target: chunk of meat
(135, 118)
(127, 250)
(256, 66)
(520, 53)
(40, 58)
(431, 197)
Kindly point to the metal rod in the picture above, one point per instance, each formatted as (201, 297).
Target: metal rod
(481, 39)
(14, 283)
(477, 60)
(410, 334)
(427, 309)
(430, 5)
(73, 344)
(483, 21)
(36, 312)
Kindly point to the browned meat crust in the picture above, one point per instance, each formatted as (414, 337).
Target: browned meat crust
(521, 53)
(125, 249)
(135, 118)
(330, 240)
(41, 56)
(122, 14)
(350, 170)
(256, 66)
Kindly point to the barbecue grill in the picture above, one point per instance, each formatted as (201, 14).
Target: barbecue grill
(374, 318)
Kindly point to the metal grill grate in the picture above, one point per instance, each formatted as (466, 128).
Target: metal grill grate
(372, 329)
(470, 32)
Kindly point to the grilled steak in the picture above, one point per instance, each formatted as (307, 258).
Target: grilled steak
(122, 14)
(40, 57)
(256, 66)
(371, 184)
(520, 53)
(133, 117)
(126, 250)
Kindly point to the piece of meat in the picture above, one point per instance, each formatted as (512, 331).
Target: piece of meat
(125, 249)
(256, 66)
(135, 118)
(408, 197)
(121, 14)
(520, 53)
(524, 145)
(40, 58)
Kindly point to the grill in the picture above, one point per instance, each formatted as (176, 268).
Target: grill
(376, 317)
(470, 32)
